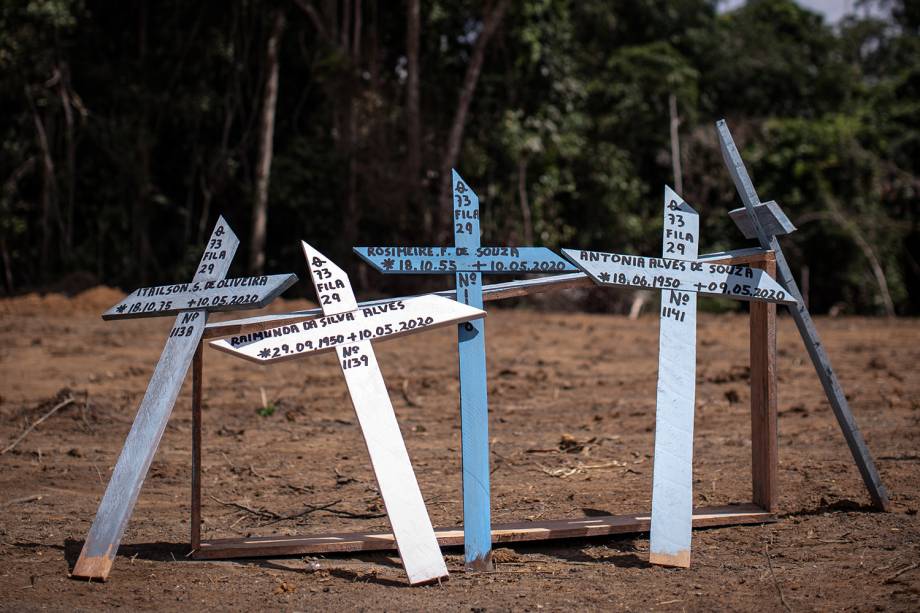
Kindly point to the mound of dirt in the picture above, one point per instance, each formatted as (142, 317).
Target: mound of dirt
(35, 303)
(96, 299)
(99, 298)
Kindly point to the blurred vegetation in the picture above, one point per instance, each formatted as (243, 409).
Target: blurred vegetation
(129, 126)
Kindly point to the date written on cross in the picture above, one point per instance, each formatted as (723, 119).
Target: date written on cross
(737, 282)
(384, 321)
(218, 295)
(426, 260)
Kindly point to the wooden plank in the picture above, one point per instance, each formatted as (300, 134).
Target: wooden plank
(490, 292)
(770, 216)
(396, 480)
(806, 326)
(726, 281)
(672, 480)
(764, 454)
(474, 401)
(197, 382)
(495, 291)
(213, 295)
(382, 322)
(518, 532)
(101, 545)
(738, 257)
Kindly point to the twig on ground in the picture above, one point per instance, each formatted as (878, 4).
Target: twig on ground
(306, 511)
(404, 388)
(270, 517)
(55, 409)
(83, 411)
(568, 471)
(562, 473)
(901, 572)
(263, 513)
(23, 500)
(229, 463)
(779, 590)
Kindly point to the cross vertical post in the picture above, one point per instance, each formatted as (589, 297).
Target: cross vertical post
(474, 401)
(679, 276)
(349, 330)
(803, 321)
(672, 482)
(467, 260)
(208, 291)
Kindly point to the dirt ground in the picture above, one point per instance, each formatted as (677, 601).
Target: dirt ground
(567, 391)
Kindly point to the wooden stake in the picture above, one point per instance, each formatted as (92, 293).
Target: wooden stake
(803, 321)
(764, 459)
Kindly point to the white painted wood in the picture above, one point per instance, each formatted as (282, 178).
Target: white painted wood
(117, 505)
(415, 537)
(493, 291)
(672, 482)
(332, 285)
(725, 280)
(212, 295)
(380, 322)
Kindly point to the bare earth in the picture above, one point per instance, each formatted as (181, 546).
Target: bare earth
(572, 411)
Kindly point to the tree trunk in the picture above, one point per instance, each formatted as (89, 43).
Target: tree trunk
(526, 217)
(266, 142)
(47, 189)
(675, 145)
(455, 139)
(9, 190)
(413, 117)
(871, 256)
(352, 213)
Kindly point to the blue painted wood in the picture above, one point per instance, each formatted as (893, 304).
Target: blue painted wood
(468, 260)
(490, 260)
(474, 401)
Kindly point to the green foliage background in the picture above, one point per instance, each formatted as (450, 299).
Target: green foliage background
(149, 112)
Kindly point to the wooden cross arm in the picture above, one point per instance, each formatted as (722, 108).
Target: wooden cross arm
(374, 323)
(771, 217)
(216, 295)
(449, 260)
(491, 292)
(720, 280)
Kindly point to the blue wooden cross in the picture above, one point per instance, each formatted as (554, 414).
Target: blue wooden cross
(468, 260)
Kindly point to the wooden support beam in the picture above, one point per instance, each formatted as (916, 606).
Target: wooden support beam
(764, 458)
(581, 527)
(197, 382)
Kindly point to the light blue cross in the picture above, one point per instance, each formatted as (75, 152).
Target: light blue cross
(468, 260)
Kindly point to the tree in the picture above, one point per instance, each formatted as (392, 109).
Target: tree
(266, 140)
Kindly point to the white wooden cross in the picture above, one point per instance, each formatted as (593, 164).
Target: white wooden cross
(208, 291)
(680, 276)
(349, 330)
